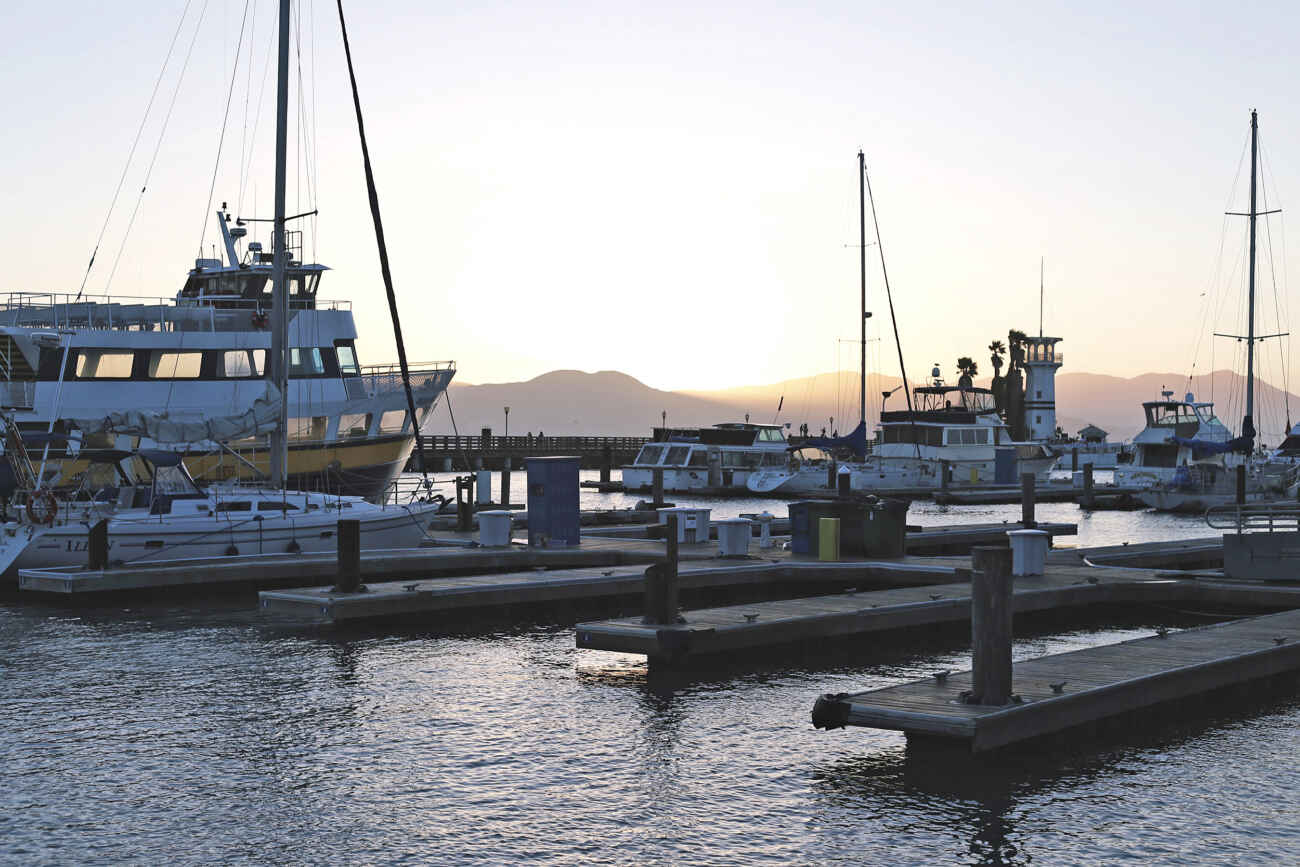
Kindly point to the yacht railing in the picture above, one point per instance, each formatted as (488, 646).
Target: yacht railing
(129, 312)
(381, 378)
(1276, 518)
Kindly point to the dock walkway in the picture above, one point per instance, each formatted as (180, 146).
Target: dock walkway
(1071, 689)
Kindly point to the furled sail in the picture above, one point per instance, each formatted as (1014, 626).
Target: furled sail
(260, 418)
(855, 440)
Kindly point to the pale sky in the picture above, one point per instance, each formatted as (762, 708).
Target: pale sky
(670, 189)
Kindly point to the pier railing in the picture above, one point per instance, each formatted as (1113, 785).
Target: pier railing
(1277, 518)
(491, 451)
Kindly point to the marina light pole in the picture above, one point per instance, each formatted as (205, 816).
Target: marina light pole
(507, 433)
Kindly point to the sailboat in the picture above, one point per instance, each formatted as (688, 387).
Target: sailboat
(176, 518)
(1199, 462)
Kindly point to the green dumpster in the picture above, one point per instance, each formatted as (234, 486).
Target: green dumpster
(885, 528)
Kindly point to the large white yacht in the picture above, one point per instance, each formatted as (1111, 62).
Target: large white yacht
(721, 456)
(202, 354)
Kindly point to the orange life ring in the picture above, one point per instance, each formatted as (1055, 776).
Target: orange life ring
(42, 507)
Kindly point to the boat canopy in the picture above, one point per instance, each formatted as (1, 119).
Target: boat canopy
(1204, 448)
(260, 418)
(855, 439)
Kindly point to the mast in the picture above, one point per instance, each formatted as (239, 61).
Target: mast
(279, 367)
(1248, 423)
(862, 249)
(1040, 296)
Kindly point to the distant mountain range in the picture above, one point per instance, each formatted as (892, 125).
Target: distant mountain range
(610, 403)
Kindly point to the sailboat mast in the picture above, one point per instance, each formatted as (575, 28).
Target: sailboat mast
(862, 314)
(1248, 424)
(279, 366)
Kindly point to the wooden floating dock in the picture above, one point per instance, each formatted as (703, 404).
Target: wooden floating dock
(1094, 683)
(425, 598)
(734, 628)
(1202, 553)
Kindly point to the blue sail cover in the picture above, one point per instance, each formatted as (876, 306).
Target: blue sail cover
(855, 440)
(1205, 448)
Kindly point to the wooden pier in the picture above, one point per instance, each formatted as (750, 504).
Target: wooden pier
(1060, 692)
(735, 628)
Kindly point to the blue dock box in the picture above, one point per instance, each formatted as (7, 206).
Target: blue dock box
(553, 513)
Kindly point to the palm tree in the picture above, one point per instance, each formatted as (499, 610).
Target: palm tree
(997, 350)
(967, 366)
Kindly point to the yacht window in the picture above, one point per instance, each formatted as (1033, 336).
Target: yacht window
(307, 428)
(733, 459)
(676, 456)
(771, 460)
(104, 364)
(273, 506)
(650, 455)
(348, 361)
(392, 421)
(699, 458)
(175, 365)
(352, 425)
(982, 436)
(236, 364)
(236, 506)
(305, 362)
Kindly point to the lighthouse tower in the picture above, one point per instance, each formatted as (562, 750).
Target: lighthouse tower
(1041, 361)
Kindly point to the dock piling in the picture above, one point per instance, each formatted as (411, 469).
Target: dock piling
(843, 481)
(1027, 491)
(606, 464)
(349, 537)
(657, 485)
(1241, 484)
(661, 582)
(945, 475)
(990, 625)
(505, 483)
(1074, 459)
(1088, 501)
(97, 545)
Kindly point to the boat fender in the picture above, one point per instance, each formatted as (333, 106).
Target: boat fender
(42, 507)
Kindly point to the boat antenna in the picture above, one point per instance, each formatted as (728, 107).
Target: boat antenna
(1040, 297)
(383, 251)
(875, 220)
(280, 291)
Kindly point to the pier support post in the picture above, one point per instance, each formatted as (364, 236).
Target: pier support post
(349, 536)
(606, 463)
(1088, 501)
(661, 591)
(830, 474)
(1027, 501)
(657, 486)
(97, 545)
(990, 625)
(945, 471)
(1074, 459)
(465, 506)
(843, 482)
(505, 483)
(1241, 485)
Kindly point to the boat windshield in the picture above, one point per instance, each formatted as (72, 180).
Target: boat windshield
(1169, 414)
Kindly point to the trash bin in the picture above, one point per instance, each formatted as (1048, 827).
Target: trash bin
(884, 532)
(494, 528)
(733, 536)
(1028, 552)
(828, 545)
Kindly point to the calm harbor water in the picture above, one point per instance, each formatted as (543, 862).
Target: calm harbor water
(200, 731)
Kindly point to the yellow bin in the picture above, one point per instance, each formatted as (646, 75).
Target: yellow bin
(828, 541)
(974, 475)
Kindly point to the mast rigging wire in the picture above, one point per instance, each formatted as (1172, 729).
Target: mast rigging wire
(225, 119)
(383, 248)
(131, 155)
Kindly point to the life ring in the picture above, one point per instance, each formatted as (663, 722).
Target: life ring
(42, 507)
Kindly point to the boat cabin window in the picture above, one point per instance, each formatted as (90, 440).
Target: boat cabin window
(739, 460)
(305, 362)
(650, 455)
(234, 506)
(967, 436)
(175, 365)
(1160, 456)
(104, 364)
(699, 458)
(302, 284)
(353, 424)
(307, 428)
(1169, 414)
(926, 435)
(348, 360)
(274, 506)
(773, 460)
(677, 456)
(393, 421)
(242, 363)
(243, 284)
(770, 435)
